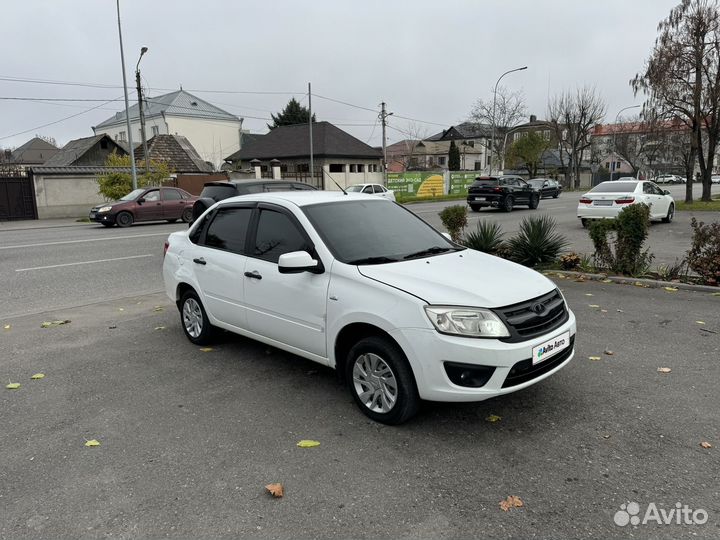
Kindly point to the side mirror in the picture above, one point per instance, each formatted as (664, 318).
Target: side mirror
(546, 184)
(666, 192)
(297, 262)
(141, 200)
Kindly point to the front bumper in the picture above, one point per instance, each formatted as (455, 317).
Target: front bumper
(105, 217)
(428, 351)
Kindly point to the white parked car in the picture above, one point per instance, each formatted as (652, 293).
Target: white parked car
(668, 179)
(607, 199)
(366, 287)
(715, 179)
(372, 189)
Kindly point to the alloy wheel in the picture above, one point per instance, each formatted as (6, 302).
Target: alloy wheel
(192, 318)
(375, 383)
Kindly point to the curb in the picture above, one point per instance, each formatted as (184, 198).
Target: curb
(639, 282)
(40, 227)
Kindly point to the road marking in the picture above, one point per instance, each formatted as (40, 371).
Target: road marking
(85, 240)
(84, 262)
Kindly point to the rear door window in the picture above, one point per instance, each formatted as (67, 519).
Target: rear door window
(171, 195)
(228, 229)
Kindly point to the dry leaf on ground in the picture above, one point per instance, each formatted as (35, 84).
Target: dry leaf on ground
(670, 289)
(607, 280)
(13, 386)
(306, 443)
(206, 349)
(159, 328)
(158, 308)
(513, 501)
(664, 370)
(49, 324)
(92, 442)
(6, 327)
(706, 444)
(593, 358)
(38, 376)
(700, 322)
(276, 490)
(589, 294)
(595, 306)
(493, 418)
(121, 309)
(609, 352)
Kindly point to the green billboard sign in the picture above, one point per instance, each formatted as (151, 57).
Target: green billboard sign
(417, 184)
(460, 181)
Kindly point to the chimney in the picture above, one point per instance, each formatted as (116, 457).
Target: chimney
(533, 118)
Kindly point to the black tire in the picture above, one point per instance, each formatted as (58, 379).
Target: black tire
(534, 202)
(124, 219)
(187, 215)
(406, 399)
(171, 220)
(507, 204)
(195, 322)
(556, 196)
(475, 207)
(108, 225)
(670, 214)
(585, 223)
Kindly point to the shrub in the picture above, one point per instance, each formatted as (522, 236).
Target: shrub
(537, 241)
(704, 255)
(623, 254)
(570, 261)
(454, 218)
(115, 184)
(487, 237)
(669, 272)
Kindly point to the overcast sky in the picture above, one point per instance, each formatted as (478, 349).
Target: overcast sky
(428, 60)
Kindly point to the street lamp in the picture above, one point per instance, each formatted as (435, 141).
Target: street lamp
(612, 155)
(140, 108)
(127, 104)
(492, 138)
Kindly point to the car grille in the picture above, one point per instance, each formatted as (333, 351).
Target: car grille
(525, 371)
(535, 317)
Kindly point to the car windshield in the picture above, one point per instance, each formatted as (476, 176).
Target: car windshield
(355, 188)
(134, 194)
(614, 187)
(375, 232)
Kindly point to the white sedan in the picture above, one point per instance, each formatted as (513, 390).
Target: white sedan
(607, 199)
(373, 189)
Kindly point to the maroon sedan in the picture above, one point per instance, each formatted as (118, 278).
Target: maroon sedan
(146, 204)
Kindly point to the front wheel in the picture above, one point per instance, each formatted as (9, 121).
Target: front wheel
(187, 215)
(381, 381)
(534, 202)
(124, 219)
(194, 319)
(507, 204)
(670, 214)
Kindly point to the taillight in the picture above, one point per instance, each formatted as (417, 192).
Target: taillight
(165, 248)
(497, 190)
(625, 200)
(585, 200)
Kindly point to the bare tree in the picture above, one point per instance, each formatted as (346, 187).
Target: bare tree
(510, 111)
(407, 153)
(682, 78)
(572, 115)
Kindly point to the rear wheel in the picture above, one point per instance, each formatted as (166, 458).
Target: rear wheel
(534, 202)
(585, 222)
(194, 319)
(381, 381)
(670, 214)
(507, 204)
(187, 215)
(475, 207)
(124, 219)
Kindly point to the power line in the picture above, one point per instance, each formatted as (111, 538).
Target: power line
(346, 103)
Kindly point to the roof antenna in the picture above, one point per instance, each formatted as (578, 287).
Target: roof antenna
(331, 178)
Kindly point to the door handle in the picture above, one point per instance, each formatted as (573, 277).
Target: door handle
(200, 261)
(253, 275)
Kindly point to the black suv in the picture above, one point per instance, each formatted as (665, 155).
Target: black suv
(217, 191)
(503, 192)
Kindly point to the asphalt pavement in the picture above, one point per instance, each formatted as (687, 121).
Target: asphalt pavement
(189, 438)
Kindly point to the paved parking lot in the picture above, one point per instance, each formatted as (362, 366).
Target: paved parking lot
(189, 439)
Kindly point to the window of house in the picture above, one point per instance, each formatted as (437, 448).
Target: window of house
(360, 167)
(303, 167)
(337, 167)
(607, 164)
(517, 135)
(155, 130)
(353, 168)
(123, 136)
(546, 134)
(441, 160)
(478, 165)
(431, 161)
(103, 144)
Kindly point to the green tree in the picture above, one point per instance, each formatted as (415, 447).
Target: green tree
(293, 113)
(527, 152)
(454, 157)
(115, 184)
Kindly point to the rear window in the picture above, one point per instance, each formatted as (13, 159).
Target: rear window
(486, 182)
(615, 187)
(218, 192)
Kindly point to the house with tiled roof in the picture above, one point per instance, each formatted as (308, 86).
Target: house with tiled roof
(34, 152)
(87, 151)
(336, 154)
(212, 131)
(175, 150)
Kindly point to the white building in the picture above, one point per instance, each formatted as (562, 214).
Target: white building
(213, 132)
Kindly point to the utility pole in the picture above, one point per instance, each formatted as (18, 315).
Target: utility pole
(142, 113)
(312, 158)
(127, 105)
(383, 118)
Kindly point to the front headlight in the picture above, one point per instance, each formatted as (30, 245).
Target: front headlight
(105, 209)
(472, 322)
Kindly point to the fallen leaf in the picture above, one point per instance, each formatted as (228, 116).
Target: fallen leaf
(305, 443)
(664, 370)
(603, 311)
(112, 327)
(593, 305)
(276, 490)
(206, 349)
(92, 442)
(670, 289)
(158, 308)
(606, 436)
(493, 418)
(13, 386)
(706, 444)
(620, 311)
(700, 322)
(594, 358)
(6, 327)
(609, 352)
(589, 294)
(159, 328)
(49, 324)
(121, 309)
(38, 376)
(513, 501)
(607, 280)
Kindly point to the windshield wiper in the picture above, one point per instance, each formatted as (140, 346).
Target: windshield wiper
(430, 251)
(373, 260)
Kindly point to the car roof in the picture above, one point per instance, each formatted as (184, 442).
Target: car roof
(305, 198)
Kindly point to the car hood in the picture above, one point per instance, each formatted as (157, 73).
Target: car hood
(109, 203)
(463, 278)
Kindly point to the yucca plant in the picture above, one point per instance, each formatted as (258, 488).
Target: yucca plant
(487, 237)
(537, 241)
